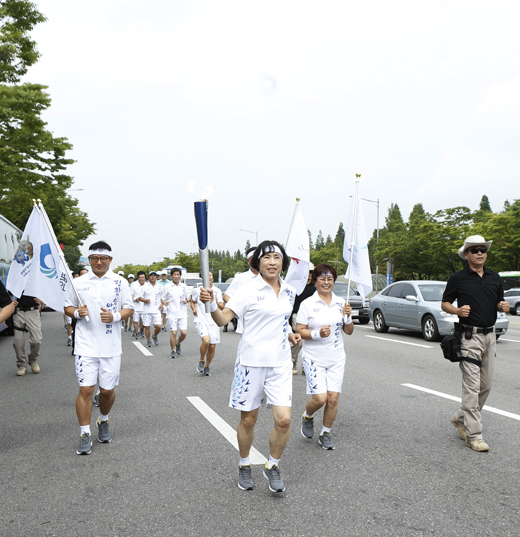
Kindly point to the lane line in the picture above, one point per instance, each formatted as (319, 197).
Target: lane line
(514, 340)
(224, 429)
(142, 348)
(453, 398)
(403, 342)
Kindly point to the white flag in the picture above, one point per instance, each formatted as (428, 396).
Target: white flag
(298, 250)
(360, 269)
(36, 268)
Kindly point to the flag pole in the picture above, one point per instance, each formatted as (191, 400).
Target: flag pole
(353, 241)
(292, 221)
(40, 208)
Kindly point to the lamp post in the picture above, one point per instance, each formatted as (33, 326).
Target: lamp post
(253, 232)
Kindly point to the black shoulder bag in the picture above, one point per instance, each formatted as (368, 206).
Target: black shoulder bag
(452, 349)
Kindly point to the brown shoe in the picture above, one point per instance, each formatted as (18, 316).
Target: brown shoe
(460, 428)
(35, 368)
(303, 372)
(294, 371)
(477, 445)
(21, 371)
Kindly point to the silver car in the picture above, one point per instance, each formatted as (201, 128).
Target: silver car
(513, 297)
(416, 305)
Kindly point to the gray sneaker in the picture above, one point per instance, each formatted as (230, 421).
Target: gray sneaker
(85, 445)
(200, 367)
(104, 435)
(274, 478)
(155, 340)
(206, 372)
(245, 481)
(325, 441)
(96, 400)
(172, 354)
(148, 342)
(178, 349)
(307, 427)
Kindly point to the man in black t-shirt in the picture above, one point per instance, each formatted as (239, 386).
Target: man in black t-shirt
(479, 294)
(27, 319)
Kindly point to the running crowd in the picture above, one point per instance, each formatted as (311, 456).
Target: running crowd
(271, 319)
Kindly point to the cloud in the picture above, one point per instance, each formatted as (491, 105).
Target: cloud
(501, 98)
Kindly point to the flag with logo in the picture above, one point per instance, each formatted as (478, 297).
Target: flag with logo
(36, 269)
(297, 249)
(356, 247)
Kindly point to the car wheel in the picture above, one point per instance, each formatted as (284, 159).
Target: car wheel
(429, 329)
(513, 310)
(363, 321)
(379, 322)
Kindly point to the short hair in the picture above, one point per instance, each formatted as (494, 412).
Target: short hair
(74, 273)
(175, 269)
(212, 273)
(141, 272)
(266, 246)
(82, 269)
(249, 250)
(100, 245)
(323, 268)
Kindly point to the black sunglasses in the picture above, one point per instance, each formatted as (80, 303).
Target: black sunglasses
(475, 251)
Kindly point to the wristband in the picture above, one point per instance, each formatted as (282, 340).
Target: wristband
(117, 317)
(315, 334)
(347, 320)
(214, 306)
(77, 315)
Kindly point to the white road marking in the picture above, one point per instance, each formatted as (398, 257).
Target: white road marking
(142, 348)
(403, 342)
(504, 339)
(453, 398)
(224, 429)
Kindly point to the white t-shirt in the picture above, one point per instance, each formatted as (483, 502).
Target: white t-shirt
(137, 291)
(238, 281)
(95, 338)
(315, 314)
(265, 316)
(152, 292)
(202, 316)
(174, 295)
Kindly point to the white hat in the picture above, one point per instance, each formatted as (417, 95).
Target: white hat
(474, 240)
(131, 276)
(120, 273)
(311, 266)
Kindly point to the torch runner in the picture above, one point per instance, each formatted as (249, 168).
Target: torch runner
(201, 219)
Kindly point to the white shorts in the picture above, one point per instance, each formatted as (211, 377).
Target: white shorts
(137, 315)
(152, 318)
(69, 320)
(212, 331)
(89, 370)
(323, 378)
(250, 383)
(177, 323)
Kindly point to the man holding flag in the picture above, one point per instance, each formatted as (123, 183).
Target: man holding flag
(36, 271)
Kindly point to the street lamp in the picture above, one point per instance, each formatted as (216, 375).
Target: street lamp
(253, 232)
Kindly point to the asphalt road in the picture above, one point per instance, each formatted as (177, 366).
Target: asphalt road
(399, 467)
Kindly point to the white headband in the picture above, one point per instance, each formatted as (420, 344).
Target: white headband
(272, 248)
(326, 274)
(250, 254)
(100, 251)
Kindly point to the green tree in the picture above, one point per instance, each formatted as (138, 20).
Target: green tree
(320, 243)
(32, 160)
(484, 211)
(339, 240)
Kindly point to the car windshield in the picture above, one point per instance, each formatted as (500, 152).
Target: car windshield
(432, 292)
(340, 289)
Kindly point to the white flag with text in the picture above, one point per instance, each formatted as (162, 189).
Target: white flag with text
(298, 250)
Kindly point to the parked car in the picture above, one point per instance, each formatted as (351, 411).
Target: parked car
(359, 311)
(416, 305)
(513, 297)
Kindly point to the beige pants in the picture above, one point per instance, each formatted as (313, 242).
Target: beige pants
(476, 381)
(31, 321)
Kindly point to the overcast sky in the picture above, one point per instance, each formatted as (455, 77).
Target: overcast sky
(255, 103)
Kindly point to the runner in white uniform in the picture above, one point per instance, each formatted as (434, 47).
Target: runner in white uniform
(175, 298)
(263, 357)
(105, 299)
(152, 307)
(128, 322)
(321, 321)
(137, 292)
(163, 281)
(238, 281)
(208, 330)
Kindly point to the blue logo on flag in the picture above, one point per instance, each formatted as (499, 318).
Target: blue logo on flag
(49, 271)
